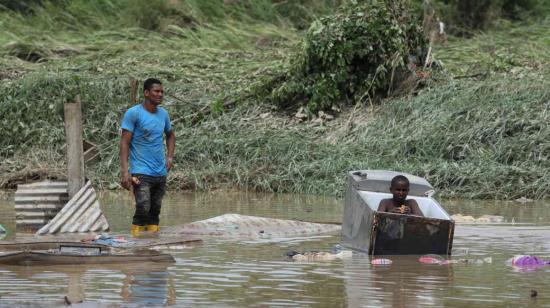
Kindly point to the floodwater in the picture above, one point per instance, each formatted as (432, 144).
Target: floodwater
(228, 273)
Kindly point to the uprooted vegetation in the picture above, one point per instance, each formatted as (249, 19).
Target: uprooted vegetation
(357, 55)
(478, 131)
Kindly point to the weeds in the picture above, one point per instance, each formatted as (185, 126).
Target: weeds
(479, 130)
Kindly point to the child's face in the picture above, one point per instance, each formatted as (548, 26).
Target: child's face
(400, 191)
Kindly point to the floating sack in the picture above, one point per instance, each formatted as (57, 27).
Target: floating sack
(250, 227)
(527, 261)
(381, 261)
(432, 259)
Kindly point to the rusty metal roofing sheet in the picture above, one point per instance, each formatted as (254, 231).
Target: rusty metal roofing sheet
(37, 203)
(81, 214)
(241, 226)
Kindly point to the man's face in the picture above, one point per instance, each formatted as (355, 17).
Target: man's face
(155, 94)
(400, 191)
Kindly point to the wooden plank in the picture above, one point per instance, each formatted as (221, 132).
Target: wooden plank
(75, 151)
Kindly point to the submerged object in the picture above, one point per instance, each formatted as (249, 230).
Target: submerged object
(483, 219)
(435, 259)
(82, 254)
(37, 203)
(319, 255)
(82, 213)
(432, 259)
(381, 261)
(526, 261)
(250, 227)
(383, 233)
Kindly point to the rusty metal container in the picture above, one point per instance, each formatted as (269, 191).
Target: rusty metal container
(380, 233)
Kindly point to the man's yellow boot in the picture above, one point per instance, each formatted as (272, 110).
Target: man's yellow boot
(153, 228)
(136, 230)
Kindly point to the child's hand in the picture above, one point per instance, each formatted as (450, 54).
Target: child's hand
(403, 209)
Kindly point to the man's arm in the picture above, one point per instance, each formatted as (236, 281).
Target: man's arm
(125, 179)
(170, 145)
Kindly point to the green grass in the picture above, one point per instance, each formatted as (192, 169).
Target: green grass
(509, 49)
(482, 136)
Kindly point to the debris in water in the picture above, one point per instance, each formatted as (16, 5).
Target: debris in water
(527, 261)
(523, 200)
(381, 261)
(459, 218)
(435, 259)
(432, 259)
(319, 255)
(250, 227)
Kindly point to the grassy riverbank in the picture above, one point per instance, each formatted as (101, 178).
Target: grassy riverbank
(478, 129)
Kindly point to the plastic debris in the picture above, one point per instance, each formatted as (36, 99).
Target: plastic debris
(113, 241)
(435, 259)
(381, 261)
(527, 261)
(432, 259)
(319, 255)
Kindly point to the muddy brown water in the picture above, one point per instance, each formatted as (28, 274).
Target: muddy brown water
(254, 273)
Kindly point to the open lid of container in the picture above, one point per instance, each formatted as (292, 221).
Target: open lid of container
(380, 180)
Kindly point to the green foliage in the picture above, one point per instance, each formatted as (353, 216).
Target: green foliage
(469, 139)
(511, 50)
(481, 136)
(465, 16)
(351, 56)
(158, 15)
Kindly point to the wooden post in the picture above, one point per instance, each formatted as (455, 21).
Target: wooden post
(75, 151)
(133, 90)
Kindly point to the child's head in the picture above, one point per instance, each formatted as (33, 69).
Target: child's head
(399, 188)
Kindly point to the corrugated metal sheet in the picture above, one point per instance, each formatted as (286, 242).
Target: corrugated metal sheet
(251, 227)
(81, 214)
(37, 203)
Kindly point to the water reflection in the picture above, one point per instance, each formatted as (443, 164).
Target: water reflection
(404, 283)
(147, 284)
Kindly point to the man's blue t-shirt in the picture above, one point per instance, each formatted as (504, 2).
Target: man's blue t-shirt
(147, 144)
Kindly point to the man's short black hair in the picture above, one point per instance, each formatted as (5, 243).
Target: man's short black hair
(148, 84)
(399, 178)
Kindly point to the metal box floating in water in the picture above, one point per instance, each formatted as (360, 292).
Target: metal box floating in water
(380, 233)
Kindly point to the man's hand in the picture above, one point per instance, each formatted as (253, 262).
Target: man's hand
(126, 180)
(168, 164)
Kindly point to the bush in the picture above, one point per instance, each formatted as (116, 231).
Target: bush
(353, 55)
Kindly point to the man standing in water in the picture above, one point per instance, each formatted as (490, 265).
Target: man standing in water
(399, 204)
(143, 127)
